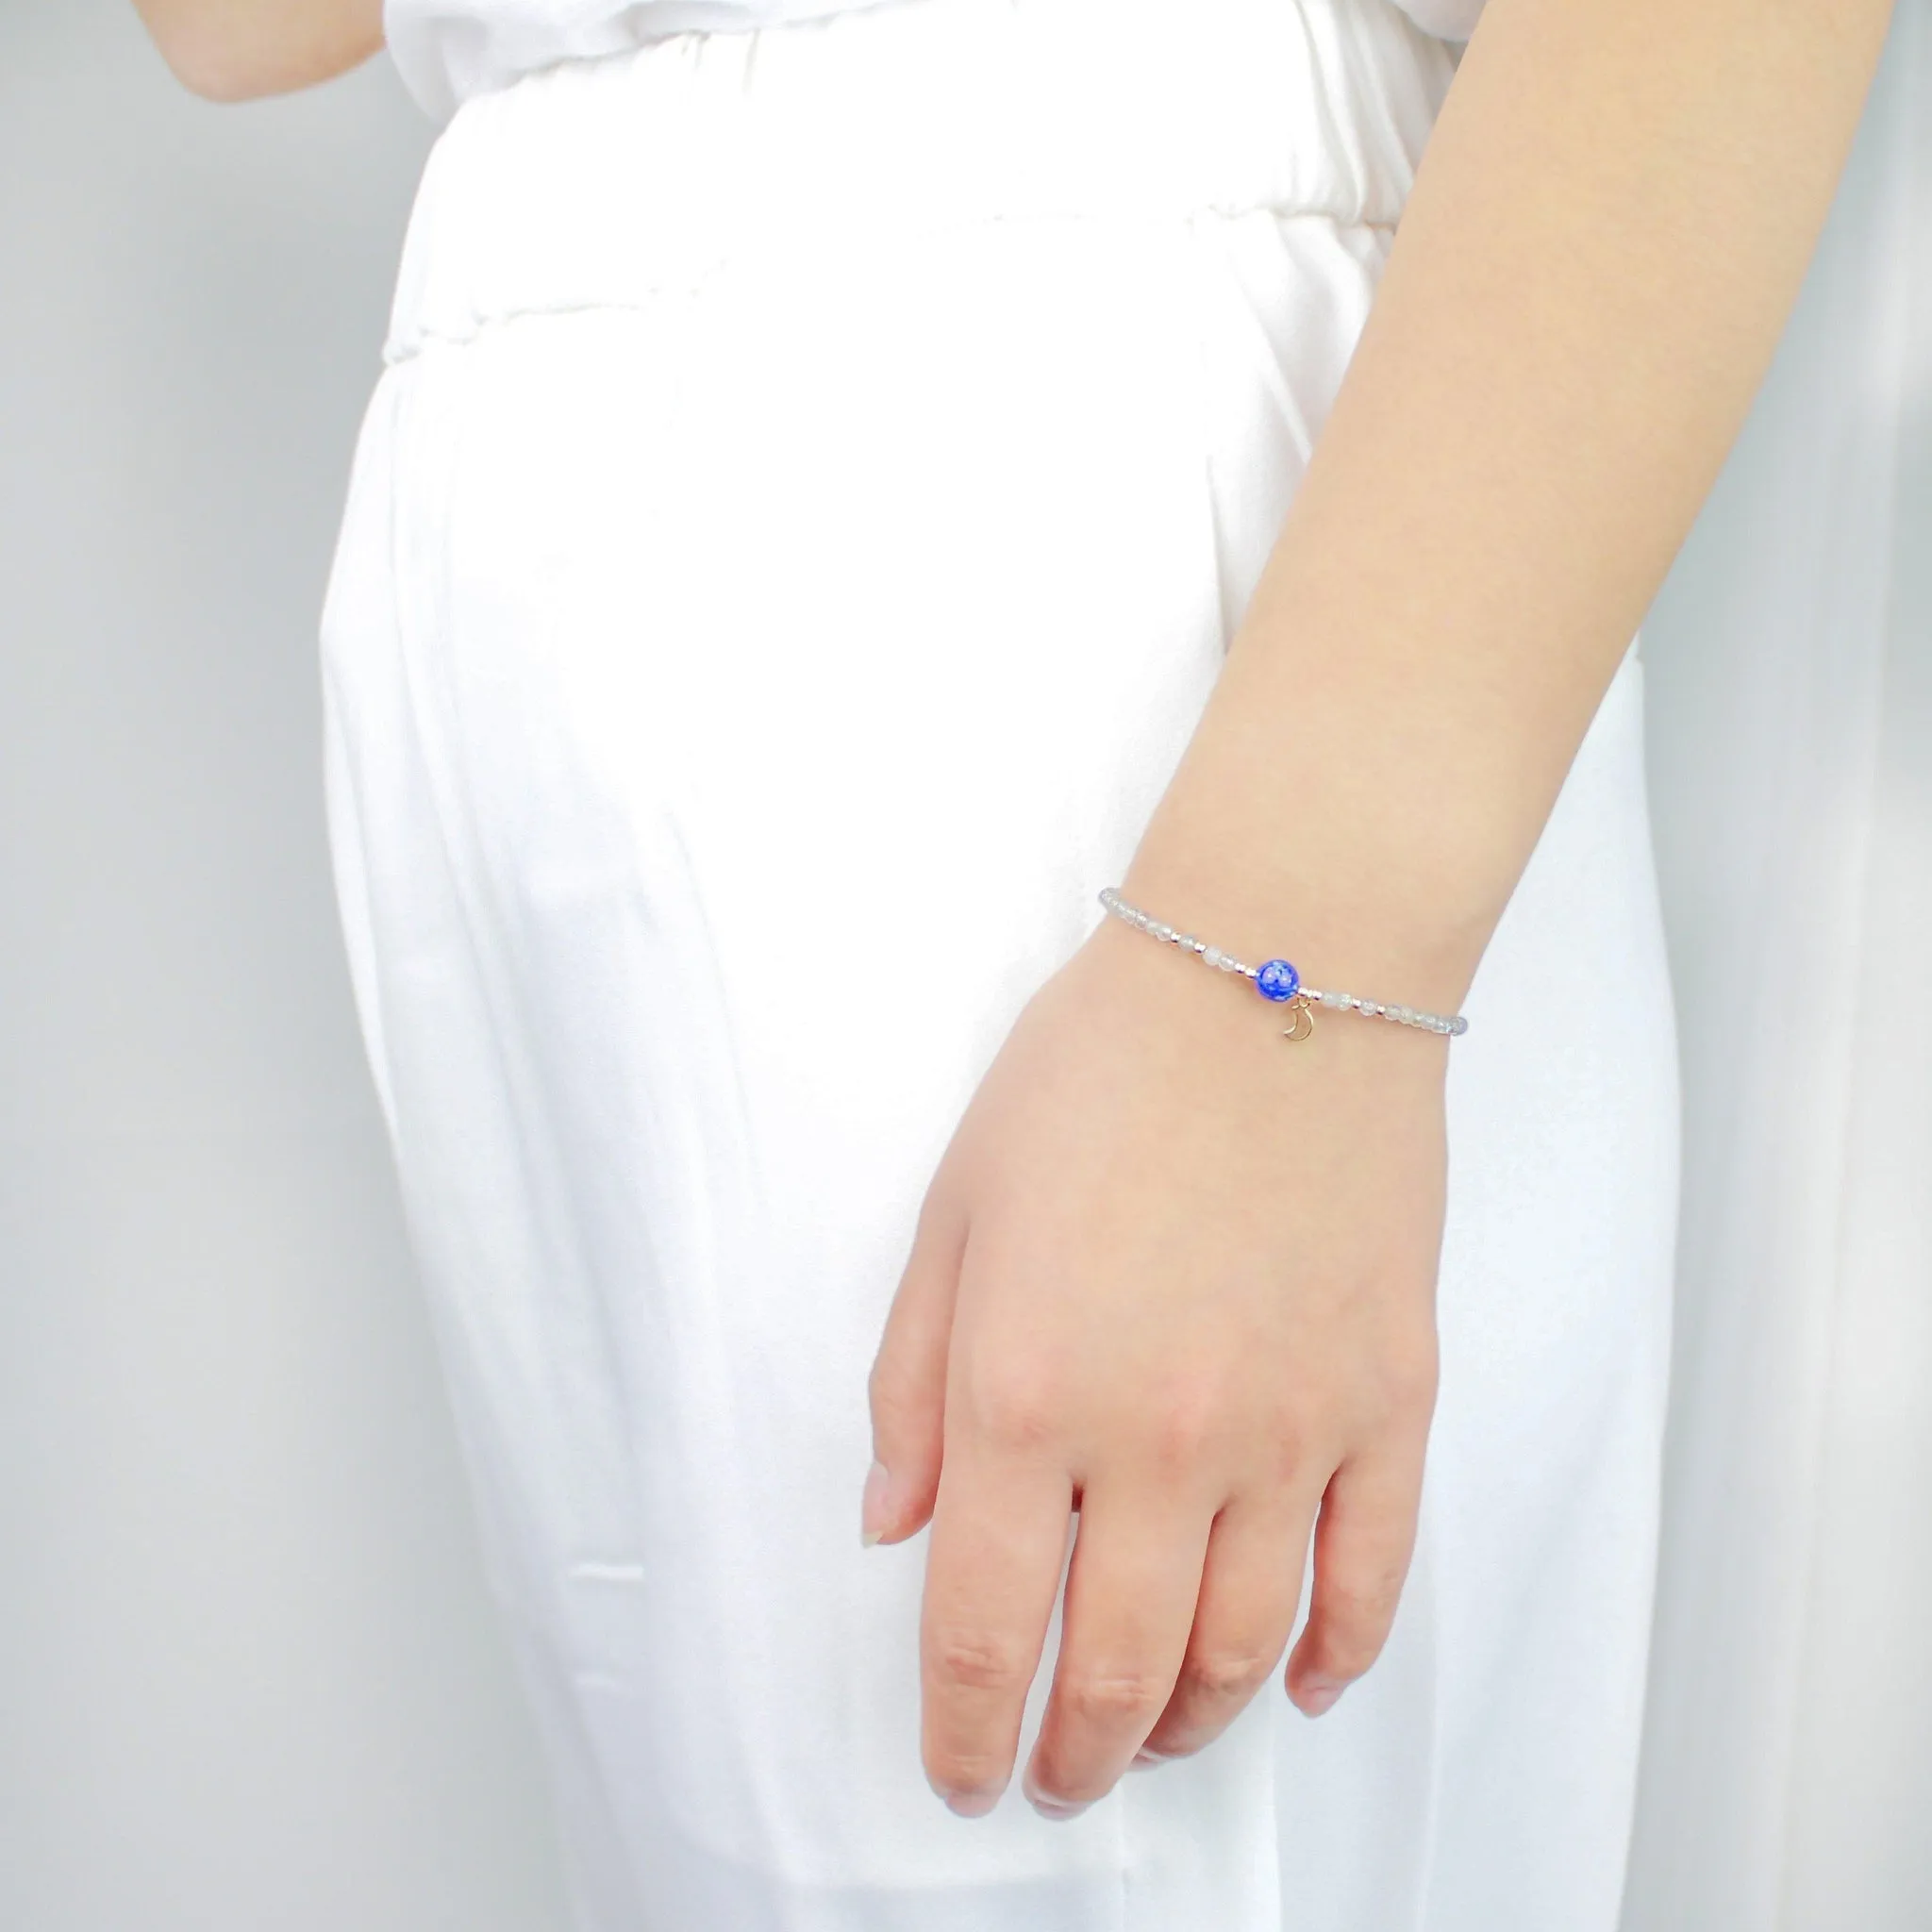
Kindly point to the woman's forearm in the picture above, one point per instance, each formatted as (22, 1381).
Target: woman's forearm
(1609, 228)
(235, 50)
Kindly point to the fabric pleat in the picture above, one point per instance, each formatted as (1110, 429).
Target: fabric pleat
(1787, 1764)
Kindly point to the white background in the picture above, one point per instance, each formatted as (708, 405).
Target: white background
(249, 1678)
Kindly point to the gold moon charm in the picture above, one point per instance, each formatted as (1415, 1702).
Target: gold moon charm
(1303, 1023)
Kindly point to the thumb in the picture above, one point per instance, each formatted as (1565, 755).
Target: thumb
(907, 1385)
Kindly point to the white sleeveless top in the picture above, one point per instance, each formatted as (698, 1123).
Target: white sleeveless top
(449, 50)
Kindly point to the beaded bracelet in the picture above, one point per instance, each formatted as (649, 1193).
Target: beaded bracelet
(1275, 979)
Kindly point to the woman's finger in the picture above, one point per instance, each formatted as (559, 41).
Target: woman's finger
(907, 1385)
(1131, 1592)
(1363, 1539)
(999, 1538)
(1251, 1587)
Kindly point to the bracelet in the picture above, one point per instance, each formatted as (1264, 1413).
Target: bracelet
(1277, 980)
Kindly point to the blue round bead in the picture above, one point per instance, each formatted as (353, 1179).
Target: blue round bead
(1277, 980)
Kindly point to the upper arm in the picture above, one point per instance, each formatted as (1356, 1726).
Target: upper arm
(234, 50)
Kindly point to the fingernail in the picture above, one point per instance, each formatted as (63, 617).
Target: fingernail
(1052, 1807)
(970, 1804)
(1146, 1760)
(1048, 1808)
(1319, 1693)
(871, 1512)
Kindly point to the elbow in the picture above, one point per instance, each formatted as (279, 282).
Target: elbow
(207, 62)
(214, 73)
(210, 59)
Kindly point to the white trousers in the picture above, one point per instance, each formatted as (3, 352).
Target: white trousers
(815, 479)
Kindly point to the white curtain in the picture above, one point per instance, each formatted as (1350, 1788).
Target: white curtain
(1788, 1775)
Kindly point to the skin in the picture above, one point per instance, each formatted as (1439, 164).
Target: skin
(238, 50)
(1188, 1289)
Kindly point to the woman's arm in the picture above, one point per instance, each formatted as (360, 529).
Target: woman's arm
(1168, 1270)
(235, 50)
(1606, 234)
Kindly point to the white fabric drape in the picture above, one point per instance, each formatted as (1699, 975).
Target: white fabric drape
(661, 1170)
(1788, 1769)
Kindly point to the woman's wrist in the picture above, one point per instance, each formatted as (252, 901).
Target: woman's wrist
(1278, 981)
(1311, 840)
(1334, 936)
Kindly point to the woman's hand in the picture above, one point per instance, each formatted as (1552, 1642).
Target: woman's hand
(1178, 1274)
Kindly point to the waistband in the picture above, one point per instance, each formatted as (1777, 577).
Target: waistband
(607, 182)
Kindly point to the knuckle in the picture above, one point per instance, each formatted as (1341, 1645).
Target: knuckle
(1368, 1595)
(1184, 1421)
(905, 1390)
(1291, 1449)
(1015, 1410)
(969, 1660)
(1110, 1698)
(1410, 1378)
(1223, 1676)
(1353, 1629)
(892, 1391)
